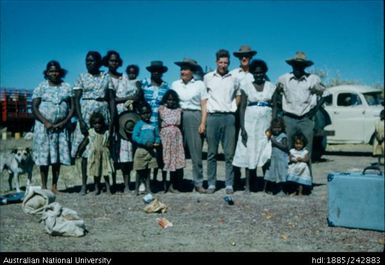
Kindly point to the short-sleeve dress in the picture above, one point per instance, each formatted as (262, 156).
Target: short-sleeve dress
(277, 171)
(52, 147)
(299, 172)
(171, 138)
(93, 100)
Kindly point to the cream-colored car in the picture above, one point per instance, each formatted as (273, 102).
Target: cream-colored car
(353, 110)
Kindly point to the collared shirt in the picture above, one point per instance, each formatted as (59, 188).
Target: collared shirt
(145, 132)
(153, 95)
(222, 91)
(240, 74)
(190, 94)
(300, 95)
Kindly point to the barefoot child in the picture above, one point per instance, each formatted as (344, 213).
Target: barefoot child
(277, 169)
(146, 137)
(298, 171)
(99, 158)
(170, 115)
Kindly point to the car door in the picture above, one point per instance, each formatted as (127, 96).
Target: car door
(346, 113)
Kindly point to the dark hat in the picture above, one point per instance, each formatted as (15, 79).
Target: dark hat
(158, 65)
(127, 122)
(244, 50)
(188, 62)
(299, 59)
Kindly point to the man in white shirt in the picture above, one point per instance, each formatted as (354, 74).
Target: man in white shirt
(244, 54)
(223, 98)
(193, 100)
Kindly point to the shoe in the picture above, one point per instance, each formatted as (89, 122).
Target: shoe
(229, 191)
(200, 189)
(210, 190)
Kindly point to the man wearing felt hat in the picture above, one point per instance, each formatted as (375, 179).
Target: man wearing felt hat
(193, 100)
(244, 54)
(302, 94)
(153, 89)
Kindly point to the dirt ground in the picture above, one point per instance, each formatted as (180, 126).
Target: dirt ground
(257, 222)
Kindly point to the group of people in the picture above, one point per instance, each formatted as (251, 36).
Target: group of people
(115, 121)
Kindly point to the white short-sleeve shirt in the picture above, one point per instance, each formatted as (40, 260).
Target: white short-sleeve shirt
(190, 94)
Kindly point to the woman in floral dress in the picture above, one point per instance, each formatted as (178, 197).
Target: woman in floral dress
(53, 107)
(92, 94)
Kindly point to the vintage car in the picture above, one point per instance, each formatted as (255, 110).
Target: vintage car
(353, 110)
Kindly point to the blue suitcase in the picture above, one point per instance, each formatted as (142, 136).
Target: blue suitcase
(356, 200)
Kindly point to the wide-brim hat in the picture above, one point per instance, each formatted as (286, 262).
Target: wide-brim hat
(192, 64)
(299, 59)
(244, 50)
(127, 122)
(157, 65)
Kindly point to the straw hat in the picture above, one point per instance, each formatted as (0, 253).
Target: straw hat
(299, 59)
(127, 122)
(244, 50)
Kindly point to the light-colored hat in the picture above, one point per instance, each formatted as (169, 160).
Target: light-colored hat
(127, 122)
(188, 62)
(157, 65)
(244, 50)
(299, 59)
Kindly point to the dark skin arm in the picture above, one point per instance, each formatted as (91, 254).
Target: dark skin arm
(35, 111)
(314, 110)
(242, 110)
(82, 146)
(83, 125)
(61, 124)
(282, 146)
(276, 98)
(112, 107)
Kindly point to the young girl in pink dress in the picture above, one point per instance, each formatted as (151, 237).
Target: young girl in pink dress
(170, 115)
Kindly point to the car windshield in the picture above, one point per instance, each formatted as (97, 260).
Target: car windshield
(373, 98)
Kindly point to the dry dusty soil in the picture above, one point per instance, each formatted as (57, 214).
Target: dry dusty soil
(257, 222)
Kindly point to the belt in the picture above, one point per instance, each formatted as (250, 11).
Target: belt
(191, 110)
(221, 113)
(291, 115)
(260, 104)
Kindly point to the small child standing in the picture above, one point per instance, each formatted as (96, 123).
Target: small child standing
(378, 145)
(99, 159)
(170, 115)
(277, 168)
(146, 137)
(299, 171)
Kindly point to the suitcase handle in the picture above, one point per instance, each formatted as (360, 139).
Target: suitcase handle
(377, 168)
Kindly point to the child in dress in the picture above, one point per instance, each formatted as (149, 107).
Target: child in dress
(299, 171)
(146, 137)
(99, 161)
(378, 145)
(174, 161)
(277, 168)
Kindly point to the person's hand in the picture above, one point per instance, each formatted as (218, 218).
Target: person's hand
(244, 137)
(48, 125)
(268, 134)
(202, 128)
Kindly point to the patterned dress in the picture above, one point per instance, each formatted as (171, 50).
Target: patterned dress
(299, 172)
(93, 99)
(123, 88)
(52, 147)
(277, 171)
(171, 138)
(257, 120)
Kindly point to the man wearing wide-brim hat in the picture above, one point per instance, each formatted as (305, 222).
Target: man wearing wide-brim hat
(301, 97)
(244, 54)
(153, 89)
(193, 100)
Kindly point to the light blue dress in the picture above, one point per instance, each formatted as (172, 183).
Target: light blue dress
(52, 147)
(277, 171)
(94, 90)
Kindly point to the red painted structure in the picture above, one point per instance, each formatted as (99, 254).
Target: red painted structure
(16, 110)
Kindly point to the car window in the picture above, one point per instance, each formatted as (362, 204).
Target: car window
(328, 100)
(373, 98)
(348, 99)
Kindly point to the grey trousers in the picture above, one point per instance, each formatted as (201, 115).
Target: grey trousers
(194, 142)
(220, 128)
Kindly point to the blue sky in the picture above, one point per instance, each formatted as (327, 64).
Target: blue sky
(343, 38)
